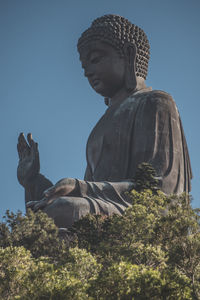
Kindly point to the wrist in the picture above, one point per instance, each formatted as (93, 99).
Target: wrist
(30, 182)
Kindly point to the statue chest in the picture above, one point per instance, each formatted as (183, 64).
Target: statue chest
(110, 139)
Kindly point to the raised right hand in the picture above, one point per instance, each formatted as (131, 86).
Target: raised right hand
(29, 162)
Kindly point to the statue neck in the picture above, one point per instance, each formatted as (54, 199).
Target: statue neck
(124, 93)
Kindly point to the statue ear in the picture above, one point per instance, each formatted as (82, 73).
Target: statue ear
(130, 58)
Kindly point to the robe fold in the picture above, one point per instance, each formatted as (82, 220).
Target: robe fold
(145, 127)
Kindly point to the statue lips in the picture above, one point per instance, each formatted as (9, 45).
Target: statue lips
(95, 82)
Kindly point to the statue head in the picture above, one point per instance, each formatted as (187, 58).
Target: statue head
(125, 46)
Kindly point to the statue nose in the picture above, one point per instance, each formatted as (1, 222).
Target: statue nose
(88, 71)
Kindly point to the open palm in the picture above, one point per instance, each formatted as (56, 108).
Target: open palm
(29, 162)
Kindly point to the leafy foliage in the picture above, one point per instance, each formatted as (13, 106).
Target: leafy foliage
(158, 236)
(25, 277)
(36, 232)
(152, 251)
(145, 178)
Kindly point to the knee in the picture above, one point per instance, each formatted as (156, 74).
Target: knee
(65, 211)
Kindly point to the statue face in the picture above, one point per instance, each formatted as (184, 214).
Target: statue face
(104, 68)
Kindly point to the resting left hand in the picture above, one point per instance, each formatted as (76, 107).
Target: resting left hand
(61, 189)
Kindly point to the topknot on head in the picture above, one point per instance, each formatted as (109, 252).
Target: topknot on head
(117, 31)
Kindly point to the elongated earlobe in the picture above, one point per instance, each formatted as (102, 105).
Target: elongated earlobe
(130, 58)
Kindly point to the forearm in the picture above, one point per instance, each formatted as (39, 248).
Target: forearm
(34, 191)
(102, 189)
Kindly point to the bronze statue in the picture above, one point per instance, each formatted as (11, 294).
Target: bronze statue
(139, 125)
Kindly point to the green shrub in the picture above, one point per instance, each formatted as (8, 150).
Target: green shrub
(152, 251)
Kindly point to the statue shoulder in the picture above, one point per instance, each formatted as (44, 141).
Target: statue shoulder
(160, 100)
(160, 96)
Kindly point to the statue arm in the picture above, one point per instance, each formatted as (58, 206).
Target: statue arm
(161, 142)
(104, 191)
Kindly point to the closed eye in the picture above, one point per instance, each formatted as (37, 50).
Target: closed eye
(93, 60)
(96, 59)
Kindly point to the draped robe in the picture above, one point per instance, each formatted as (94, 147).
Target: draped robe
(144, 127)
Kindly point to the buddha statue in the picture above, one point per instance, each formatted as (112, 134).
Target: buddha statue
(139, 125)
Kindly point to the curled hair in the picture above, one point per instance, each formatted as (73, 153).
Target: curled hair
(116, 31)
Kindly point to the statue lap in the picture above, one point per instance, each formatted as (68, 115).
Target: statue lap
(105, 198)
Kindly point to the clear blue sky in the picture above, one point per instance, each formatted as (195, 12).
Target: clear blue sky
(43, 90)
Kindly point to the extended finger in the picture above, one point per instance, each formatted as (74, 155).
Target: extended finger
(34, 149)
(23, 146)
(33, 145)
(39, 205)
(19, 150)
(20, 145)
(35, 205)
(30, 139)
